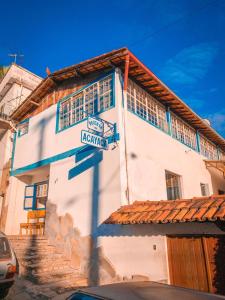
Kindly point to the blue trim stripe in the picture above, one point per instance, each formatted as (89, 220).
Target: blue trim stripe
(46, 161)
(60, 156)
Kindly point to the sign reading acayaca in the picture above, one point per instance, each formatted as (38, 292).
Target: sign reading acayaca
(93, 140)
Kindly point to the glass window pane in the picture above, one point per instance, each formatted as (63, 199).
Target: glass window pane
(28, 203)
(144, 105)
(93, 99)
(29, 191)
(173, 186)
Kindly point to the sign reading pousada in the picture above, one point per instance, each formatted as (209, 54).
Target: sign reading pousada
(93, 140)
(95, 124)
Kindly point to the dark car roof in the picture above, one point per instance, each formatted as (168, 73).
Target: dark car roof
(147, 291)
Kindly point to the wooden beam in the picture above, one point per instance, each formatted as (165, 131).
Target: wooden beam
(126, 72)
(35, 103)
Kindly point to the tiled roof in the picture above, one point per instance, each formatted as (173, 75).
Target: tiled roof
(171, 211)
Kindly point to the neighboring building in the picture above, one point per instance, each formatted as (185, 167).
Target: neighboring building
(16, 83)
(158, 151)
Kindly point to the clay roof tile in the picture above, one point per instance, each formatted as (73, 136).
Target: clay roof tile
(198, 209)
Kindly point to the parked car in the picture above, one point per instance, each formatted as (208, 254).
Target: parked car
(8, 266)
(141, 291)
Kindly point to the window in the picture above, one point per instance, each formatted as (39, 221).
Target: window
(23, 128)
(221, 154)
(93, 99)
(83, 296)
(207, 148)
(36, 196)
(145, 106)
(183, 132)
(204, 189)
(173, 186)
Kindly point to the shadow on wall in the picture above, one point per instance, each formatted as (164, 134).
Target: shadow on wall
(86, 257)
(85, 254)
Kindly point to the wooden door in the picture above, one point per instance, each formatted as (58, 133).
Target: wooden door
(187, 265)
(214, 249)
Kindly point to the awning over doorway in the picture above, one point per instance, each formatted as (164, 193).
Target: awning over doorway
(202, 209)
(218, 164)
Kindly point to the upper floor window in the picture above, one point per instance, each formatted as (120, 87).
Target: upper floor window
(173, 186)
(204, 189)
(182, 132)
(93, 99)
(208, 149)
(23, 128)
(145, 106)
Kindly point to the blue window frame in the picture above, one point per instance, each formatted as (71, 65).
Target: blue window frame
(23, 128)
(29, 197)
(92, 99)
(36, 196)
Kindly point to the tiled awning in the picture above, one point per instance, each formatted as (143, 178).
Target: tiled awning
(203, 209)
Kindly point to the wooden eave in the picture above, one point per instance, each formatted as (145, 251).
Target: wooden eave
(137, 72)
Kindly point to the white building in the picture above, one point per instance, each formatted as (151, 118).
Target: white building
(16, 84)
(157, 152)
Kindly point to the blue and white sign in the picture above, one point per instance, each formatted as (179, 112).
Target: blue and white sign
(93, 140)
(95, 124)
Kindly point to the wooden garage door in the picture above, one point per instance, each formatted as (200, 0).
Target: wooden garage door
(187, 266)
(197, 262)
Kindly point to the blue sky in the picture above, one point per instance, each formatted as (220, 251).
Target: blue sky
(181, 41)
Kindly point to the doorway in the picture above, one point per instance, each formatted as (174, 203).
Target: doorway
(197, 262)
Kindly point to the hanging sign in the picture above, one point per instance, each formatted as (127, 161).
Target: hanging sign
(93, 140)
(95, 124)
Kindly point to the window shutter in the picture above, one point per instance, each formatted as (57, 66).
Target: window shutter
(29, 197)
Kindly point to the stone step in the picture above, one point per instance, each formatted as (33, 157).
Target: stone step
(26, 237)
(40, 257)
(56, 276)
(33, 250)
(42, 262)
(30, 243)
(45, 263)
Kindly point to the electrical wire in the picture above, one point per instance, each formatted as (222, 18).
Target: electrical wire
(165, 27)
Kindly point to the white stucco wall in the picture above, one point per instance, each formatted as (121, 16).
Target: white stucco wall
(14, 203)
(151, 152)
(5, 148)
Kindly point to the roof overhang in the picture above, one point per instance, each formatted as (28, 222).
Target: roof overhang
(203, 209)
(138, 72)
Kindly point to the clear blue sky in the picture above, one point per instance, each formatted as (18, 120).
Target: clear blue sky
(181, 41)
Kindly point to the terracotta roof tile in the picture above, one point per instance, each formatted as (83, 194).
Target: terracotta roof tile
(200, 209)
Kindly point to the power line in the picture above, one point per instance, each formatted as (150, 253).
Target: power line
(165, 27)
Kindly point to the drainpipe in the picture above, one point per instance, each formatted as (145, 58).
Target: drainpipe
(126, 71)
